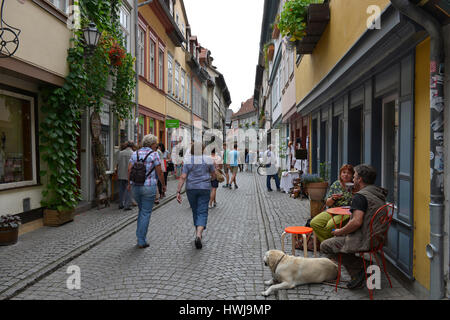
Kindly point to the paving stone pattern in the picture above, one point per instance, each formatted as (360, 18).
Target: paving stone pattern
(247, 222)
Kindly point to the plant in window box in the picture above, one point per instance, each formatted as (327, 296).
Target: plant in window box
(275, 29)
(9, 229)
(269, 48)
(315, 186)
(293, 18)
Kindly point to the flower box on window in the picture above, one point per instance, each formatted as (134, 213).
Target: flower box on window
(276, 31)
(270, 51)
(317, 21)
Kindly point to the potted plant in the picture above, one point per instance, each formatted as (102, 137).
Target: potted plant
(9, 229)
(116, 54)
(316, 186)
(275, 29)
(293, 18)
(269, 49)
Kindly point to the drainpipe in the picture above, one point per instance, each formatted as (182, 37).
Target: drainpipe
(435, 248)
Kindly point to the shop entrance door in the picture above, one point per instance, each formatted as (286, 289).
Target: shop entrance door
(397, 177)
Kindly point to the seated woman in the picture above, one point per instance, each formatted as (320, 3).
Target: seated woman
(338, 196)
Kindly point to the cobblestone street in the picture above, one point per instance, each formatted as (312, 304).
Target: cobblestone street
(247, 222)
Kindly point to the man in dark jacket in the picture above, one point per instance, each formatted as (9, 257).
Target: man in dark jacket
(355, 235)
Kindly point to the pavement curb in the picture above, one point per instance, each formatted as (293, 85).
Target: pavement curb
(25, 283)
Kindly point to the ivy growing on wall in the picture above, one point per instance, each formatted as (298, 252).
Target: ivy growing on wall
(83, 90)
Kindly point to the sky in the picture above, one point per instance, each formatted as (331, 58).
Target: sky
(231, 30)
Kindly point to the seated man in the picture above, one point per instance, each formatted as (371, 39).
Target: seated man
(355, 236)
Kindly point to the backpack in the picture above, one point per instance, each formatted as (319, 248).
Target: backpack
(138, 170)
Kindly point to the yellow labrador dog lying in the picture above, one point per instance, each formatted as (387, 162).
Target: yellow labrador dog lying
(289, 271)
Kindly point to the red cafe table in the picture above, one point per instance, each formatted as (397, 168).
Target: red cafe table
(343, 211)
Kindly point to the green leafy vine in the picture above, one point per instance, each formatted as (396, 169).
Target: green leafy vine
(83, 90)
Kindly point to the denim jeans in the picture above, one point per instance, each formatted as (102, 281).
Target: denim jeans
(199, 200)
(145, 197)
(277, 181)
(124, 195)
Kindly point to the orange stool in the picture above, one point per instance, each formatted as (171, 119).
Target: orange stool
(295, 231)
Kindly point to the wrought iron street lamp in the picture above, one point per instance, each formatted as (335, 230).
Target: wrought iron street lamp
(91, 36)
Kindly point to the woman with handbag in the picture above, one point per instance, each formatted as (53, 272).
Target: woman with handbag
(217, 161)
(198, 171)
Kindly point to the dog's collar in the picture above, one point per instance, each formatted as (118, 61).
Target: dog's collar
(278, 262)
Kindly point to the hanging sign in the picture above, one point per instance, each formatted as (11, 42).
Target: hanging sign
(172, 123)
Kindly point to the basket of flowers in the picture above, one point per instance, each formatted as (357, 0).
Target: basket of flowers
(9, 229)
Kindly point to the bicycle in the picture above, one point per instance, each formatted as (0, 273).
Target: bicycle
(266, 170)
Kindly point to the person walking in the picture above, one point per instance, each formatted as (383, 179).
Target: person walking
(197, 173)
(251, 159)
(234, 166)
(226, 165)
(270, 161)
(164, 163)
(122, 175)
(217, 161)
(159, 192)
(247, 158)
(144, 185)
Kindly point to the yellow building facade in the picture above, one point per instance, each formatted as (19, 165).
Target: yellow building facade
(164, 80)
(366, 93)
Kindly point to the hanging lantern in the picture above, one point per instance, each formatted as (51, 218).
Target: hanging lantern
(91, 35)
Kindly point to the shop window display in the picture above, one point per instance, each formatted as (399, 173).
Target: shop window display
(16, 156)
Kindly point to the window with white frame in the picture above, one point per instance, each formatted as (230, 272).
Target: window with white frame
(124, 18)
(169, 73)
(291, 63)
(62, 5)
(161, 69)
(275, 91)
(183, 76)
(17, 140)
(286, 69)
(177, 78)
(188, 85)
(141, 48)
(171, 7)
(152, 60)
(280, 86)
